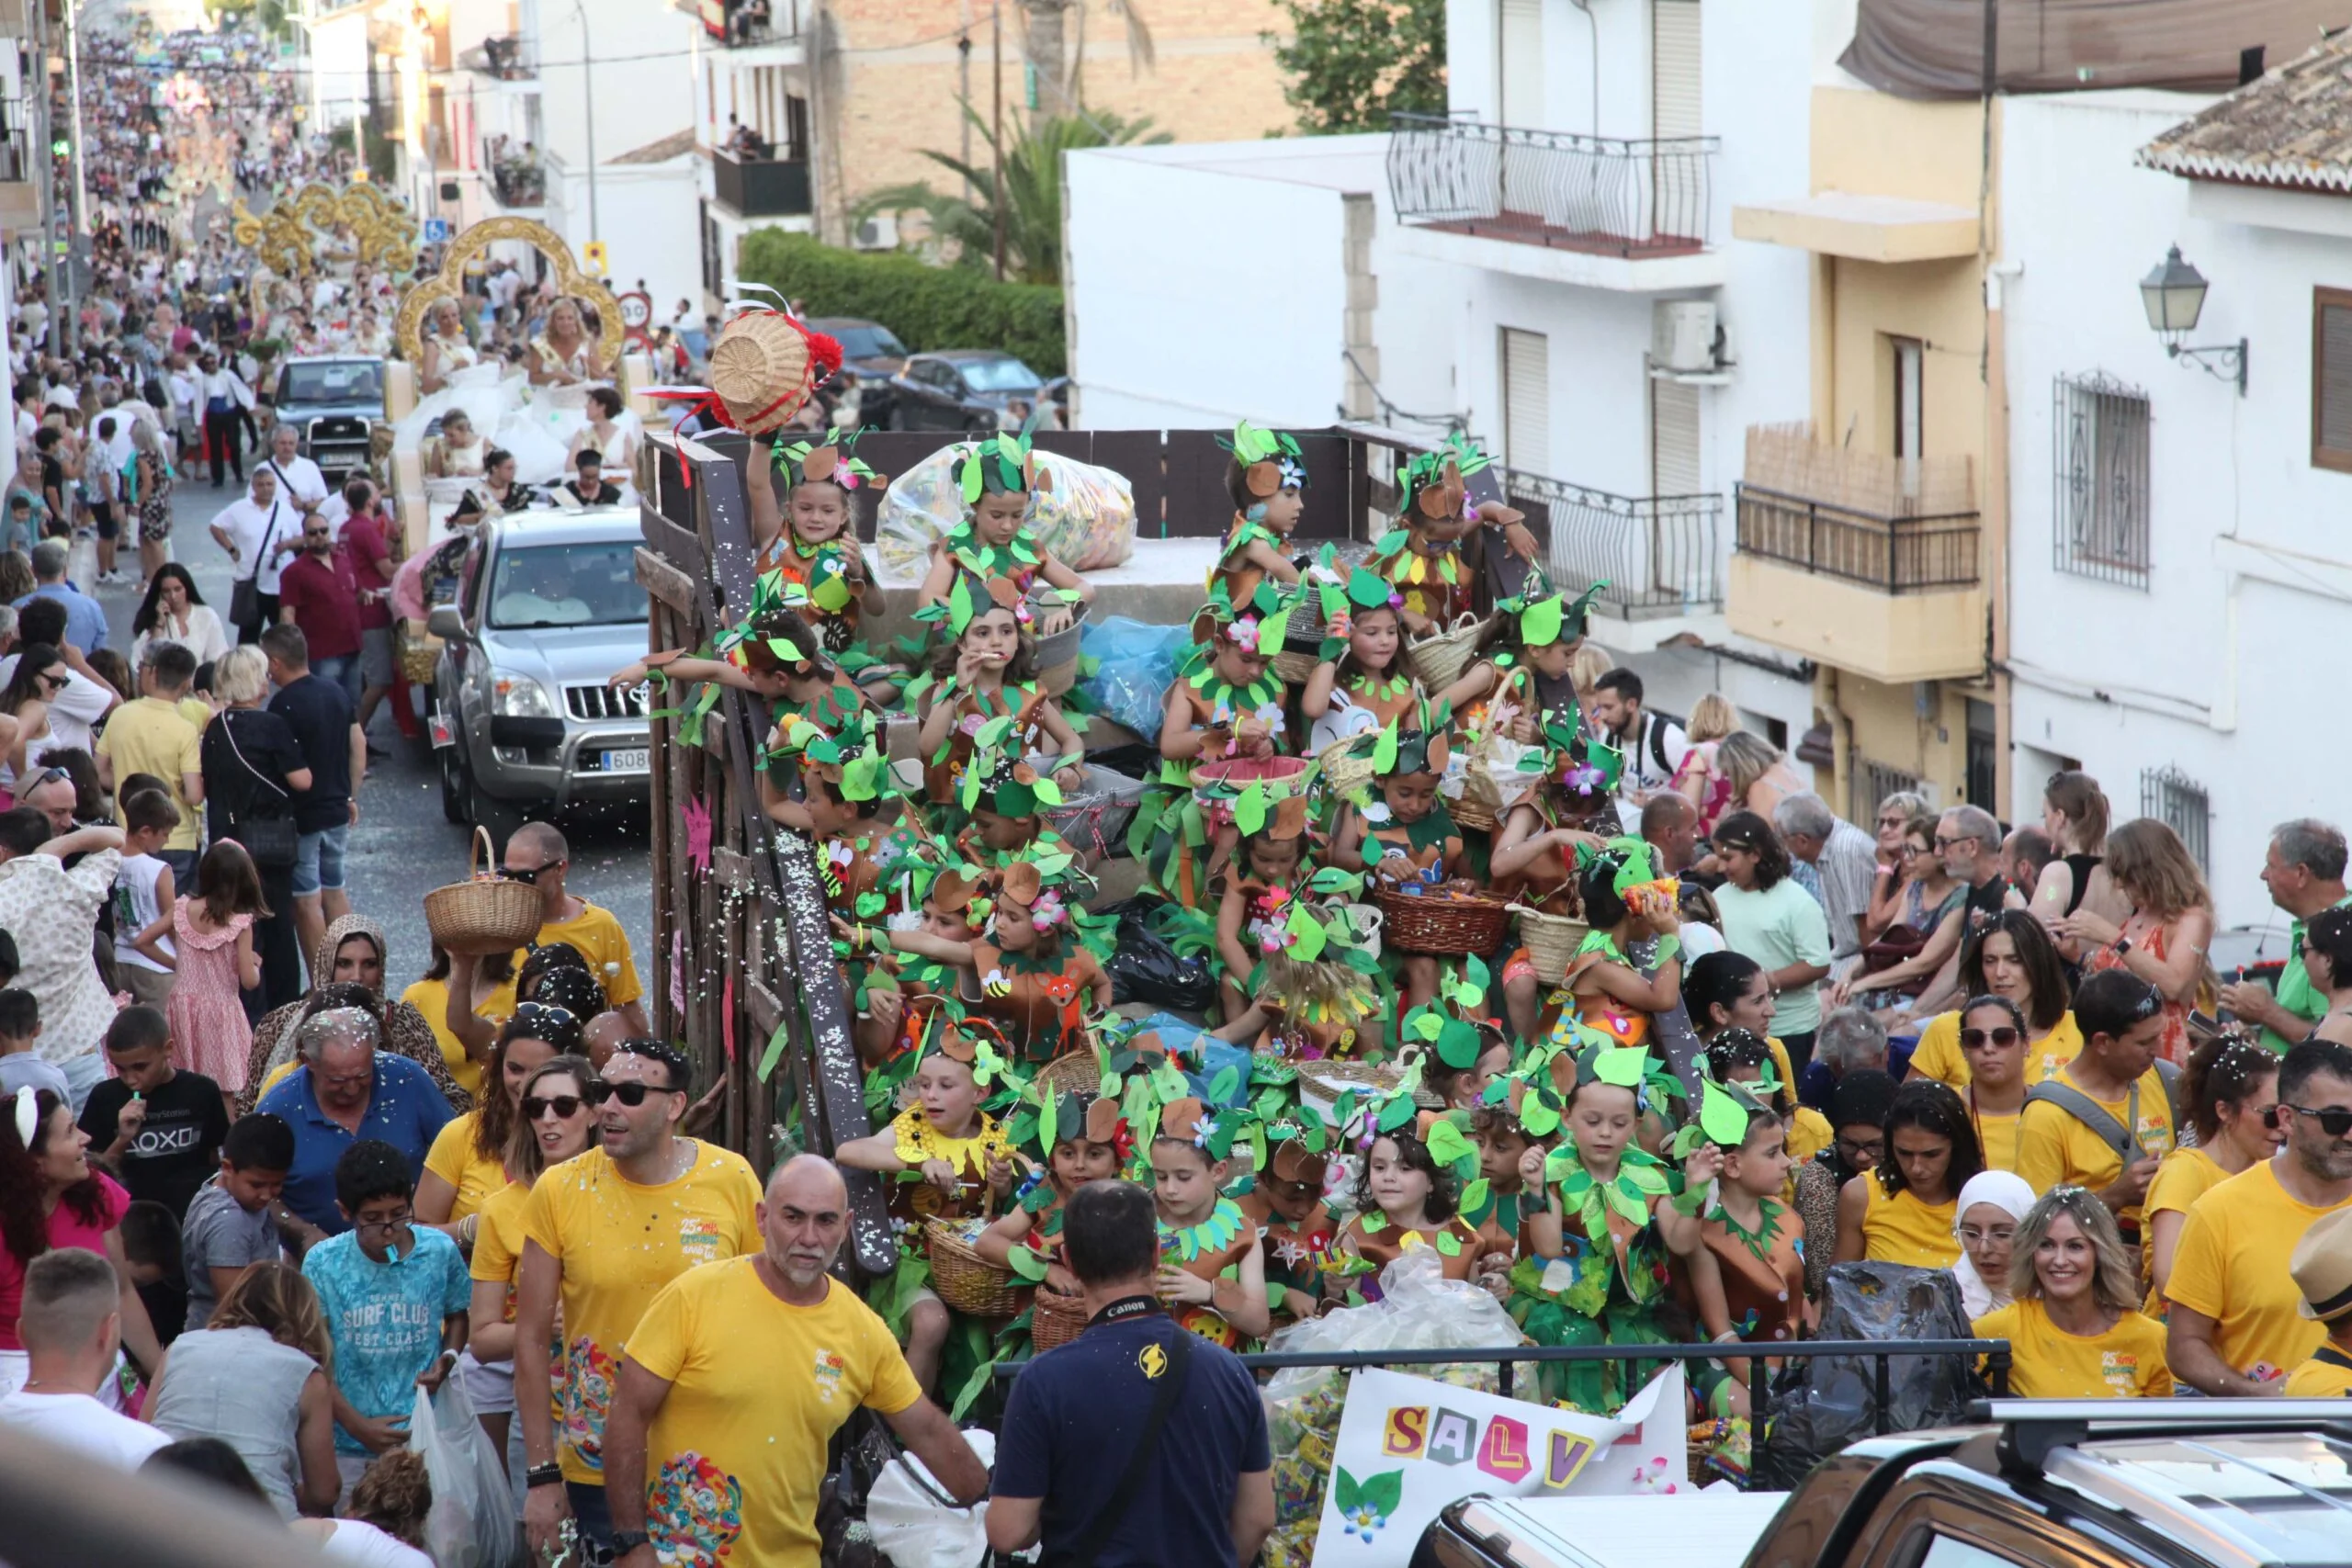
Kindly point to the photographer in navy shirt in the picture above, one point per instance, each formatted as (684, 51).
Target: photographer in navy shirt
(1136, 1445)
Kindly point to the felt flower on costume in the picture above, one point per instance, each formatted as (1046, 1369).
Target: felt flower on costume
(970, 723)
(1048, 911)
(1268, 713)
(1243, 634)
(1585, 779)
(1377, 812)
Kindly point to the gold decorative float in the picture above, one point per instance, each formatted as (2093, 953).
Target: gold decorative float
(408, 339)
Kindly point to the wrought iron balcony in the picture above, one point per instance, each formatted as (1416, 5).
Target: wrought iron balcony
(519, 181)
(1891, 553)
(1597, 194)
(509, 58)
(760, 188)
(1658, 553)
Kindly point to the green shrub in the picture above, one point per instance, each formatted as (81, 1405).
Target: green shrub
(927, 307)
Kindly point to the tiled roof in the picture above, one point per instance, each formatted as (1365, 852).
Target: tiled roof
(676, 144)
(2294, 128)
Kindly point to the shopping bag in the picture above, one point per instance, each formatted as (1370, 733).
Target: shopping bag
(472, 1523)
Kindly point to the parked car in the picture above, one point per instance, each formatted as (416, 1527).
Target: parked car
(871, 354)
(523, 719)
(2086, 1484)
(332, 402)
(964, 390)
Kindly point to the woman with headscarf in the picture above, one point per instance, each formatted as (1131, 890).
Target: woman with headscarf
(351, 958)
(1985, 1223)
(1857, 1142)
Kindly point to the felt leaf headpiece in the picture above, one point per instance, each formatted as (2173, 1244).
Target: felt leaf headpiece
(1578, 763)
(1553, 617)
(1631, 1068)
(961, 604)
(1370, 591)
(1257, 810)
(830, 459)
(1432, 487)
(1186, 1119)
(941, 1026)
(1270, 460)
(1396, 751)
(850, 760)
(999, 465)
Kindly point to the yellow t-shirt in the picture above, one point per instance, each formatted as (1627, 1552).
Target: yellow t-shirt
(2230, 1265)
(498, 1241)
(1998, 1134)
(619, 1244)
(2047, 1362)
(2327, 1375)
(150, 736)
(597, 933)
(1902, 1229)
(1809, 1134)
(431, 998)
(743, 1453)
(2055, 1148)
(455, 1160)
(1939, 1057)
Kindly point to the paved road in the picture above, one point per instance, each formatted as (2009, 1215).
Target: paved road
(402, 847)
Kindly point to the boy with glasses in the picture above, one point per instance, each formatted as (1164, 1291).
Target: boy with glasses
(395, 1295)
(603, 1234)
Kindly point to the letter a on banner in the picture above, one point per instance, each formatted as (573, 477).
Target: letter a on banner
(1453, 1438)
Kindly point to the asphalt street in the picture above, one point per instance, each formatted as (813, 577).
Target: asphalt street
(402, 847)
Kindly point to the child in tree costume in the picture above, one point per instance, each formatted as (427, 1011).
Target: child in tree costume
(1549, 832)
(1263, 479)
(965, 1166)
(983, 691)
(1437, 554)
(1746, 1280)
(1313, 991)
(816, 550)
(1295, 1230)
(1008, 800)
(997, 478)
(1360, 682)
(1525, 686)
(1405, 838)
(1212, 1272)
(1406, 1201)
(1604, 1216)
(1071, 1138)
(1624, 899)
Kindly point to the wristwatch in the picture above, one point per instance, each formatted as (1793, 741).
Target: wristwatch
(626, 1542)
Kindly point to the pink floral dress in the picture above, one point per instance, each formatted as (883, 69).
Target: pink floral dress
(210, 1031)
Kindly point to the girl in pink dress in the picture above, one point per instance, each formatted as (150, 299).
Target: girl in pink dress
(212, 931)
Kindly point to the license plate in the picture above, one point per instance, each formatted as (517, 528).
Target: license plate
(635, 760)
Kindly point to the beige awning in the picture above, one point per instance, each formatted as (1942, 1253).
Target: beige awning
(1862, 228)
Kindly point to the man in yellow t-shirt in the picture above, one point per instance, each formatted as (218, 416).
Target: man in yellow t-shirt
(152, 736)
(2121, 1018)
(604, 1234)
(2321, 1270)
(2236, 1324)
(736, 1380)
(537, 854)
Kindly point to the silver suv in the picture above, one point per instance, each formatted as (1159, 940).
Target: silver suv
(523, 720)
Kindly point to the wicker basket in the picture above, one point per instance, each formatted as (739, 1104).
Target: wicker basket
(1480, 803)
(419, 652)
(1344, 774)
(1077, 1072)
(1552, 942)
(761, 370)
(485, 913)
(1056, 656)
(1303, 645)
(964, 1280)
(1438, 660)
(1055, 1320)
(1447, 927)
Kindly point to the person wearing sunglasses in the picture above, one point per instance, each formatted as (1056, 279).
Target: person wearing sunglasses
(2229, 1092)
(602, 1236)
(467, 1160)
(2011, 957)
(1992, 1037)
(537, 854)
(2108, 1119)
(553, 1123)
(2236, 1323)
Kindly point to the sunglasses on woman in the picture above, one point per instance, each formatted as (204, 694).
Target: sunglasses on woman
(633, 1094)
(1977, 1039)
(565, 1106)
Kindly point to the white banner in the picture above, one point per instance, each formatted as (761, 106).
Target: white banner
(1408, 1446)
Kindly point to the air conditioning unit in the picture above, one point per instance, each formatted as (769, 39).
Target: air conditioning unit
(1682, 335)
(880, 233)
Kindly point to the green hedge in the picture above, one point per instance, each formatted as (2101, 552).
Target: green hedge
(927, 307)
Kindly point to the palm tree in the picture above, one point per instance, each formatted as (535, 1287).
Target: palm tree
(1059, 67)
(1033, 192)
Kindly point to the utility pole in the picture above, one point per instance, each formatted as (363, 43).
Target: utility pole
(73, 85)
(43, 170)
(996, 133)
(588, 112)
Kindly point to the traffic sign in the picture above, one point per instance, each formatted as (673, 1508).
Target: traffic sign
(436, 230)
(594, 254)
(637, 310)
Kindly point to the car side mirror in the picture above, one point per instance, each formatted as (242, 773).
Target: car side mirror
(446, 623)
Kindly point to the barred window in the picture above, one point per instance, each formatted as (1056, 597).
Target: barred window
(2100, 516)
(2181, 804)
(1872, 782)
(2331, 379)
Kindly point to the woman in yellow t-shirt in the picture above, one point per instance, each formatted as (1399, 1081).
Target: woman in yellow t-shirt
(492, 1002)
(553, 1122)
(2012, 958)
(2230, 1094)
(1902, 1212)
(2072, 1329)
(1993, 1040)
(467, 1160)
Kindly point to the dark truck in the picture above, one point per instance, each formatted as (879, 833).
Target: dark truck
(2083, 1483)
(332, 401)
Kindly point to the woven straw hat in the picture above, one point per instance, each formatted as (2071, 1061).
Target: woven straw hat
(764, 367)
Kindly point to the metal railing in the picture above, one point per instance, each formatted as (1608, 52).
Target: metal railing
(518, 182)
(760, 188)
(1658, 553)
(1893, 555)
(745, 26)
(1545, 187)
(16, 166)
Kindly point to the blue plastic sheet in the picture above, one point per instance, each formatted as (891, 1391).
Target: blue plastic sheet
(1136, 661)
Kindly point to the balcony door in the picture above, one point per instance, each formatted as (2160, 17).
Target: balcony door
(1676, 194)
(1527, 401)
(1520, 71)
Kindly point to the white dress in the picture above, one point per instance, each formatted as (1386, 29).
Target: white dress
(200, 634)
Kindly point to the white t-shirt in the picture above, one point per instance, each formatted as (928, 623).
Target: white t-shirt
(298, 480)
(248, 526)
(356, 1541)
(79, 1424)
(1643, 773)
(135, 909)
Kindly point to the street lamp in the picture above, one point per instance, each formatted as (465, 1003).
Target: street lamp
(2173, 294)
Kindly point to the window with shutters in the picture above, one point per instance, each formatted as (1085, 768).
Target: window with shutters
(1527, 401)
(2100, 511)
(2331, 379)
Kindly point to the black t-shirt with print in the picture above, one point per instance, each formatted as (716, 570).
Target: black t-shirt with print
(177, 1150)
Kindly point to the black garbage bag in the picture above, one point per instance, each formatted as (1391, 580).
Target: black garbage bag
(1821, 1404)
(1145, 968)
